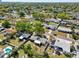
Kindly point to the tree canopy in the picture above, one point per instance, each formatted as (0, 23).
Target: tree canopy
(38, 27)
(6, 24)
(63, 15)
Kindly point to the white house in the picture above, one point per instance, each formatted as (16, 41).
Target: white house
(63, 43)
(24, 36)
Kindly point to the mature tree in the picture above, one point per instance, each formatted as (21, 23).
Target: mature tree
(22, 14)
(29, 27)
(28, 50)
(24, 26)
(46, 55)
(6, 24)
(37, 15)
(27, 47)
(38, 27)
(77, 9)
(63, 15)
(21, 26)
(41, 15)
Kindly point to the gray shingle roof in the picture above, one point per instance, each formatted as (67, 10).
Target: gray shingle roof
(64, 44)
(24, 36)
(34, 37)
(42, 40)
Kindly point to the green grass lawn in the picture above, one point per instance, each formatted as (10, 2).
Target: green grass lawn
(56, 56)
(15, 42)
(1, 21)
(50, 23)
(21, 53)
(1, 36)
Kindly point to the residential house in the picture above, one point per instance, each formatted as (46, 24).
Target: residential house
(64, 29)
(76, 15)
(67, 30)
(15, 15)
(73, 21)
(62, 44)
(52, 27)
(2, 17)
(76, 31)
(39, 40)
(24, 36)
(63, 23)
(53, 20)
(29, 16)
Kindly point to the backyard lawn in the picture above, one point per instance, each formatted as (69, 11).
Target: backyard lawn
(15, 42)
(56, 56)
(59, 34)
(21, 53)
(36, 48)
(51, 23)
(1, 36)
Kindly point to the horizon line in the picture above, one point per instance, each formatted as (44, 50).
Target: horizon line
(40, 2)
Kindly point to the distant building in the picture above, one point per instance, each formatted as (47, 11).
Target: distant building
(76, 15)
(52, 27)
(64, 29)
(53, 20)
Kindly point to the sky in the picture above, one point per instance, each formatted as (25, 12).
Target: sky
(40, 0)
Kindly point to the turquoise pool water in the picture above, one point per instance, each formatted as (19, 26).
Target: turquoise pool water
(8, 51)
